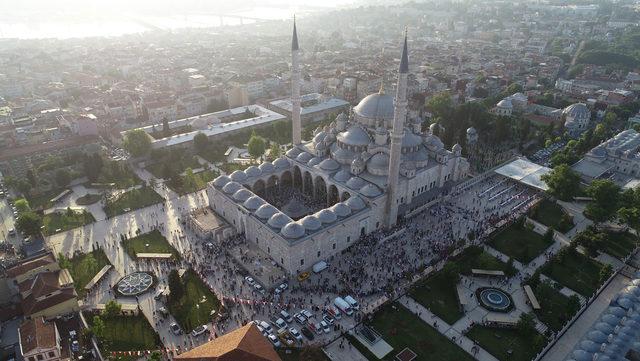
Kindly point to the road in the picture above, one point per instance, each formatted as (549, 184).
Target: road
(7, 222)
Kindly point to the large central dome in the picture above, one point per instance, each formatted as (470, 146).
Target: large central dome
(378, 106)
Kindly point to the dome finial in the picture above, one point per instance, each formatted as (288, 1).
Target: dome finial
(381, 91)
(294, 41)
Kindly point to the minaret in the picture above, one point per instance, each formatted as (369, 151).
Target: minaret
(399, 115)
(295, 87)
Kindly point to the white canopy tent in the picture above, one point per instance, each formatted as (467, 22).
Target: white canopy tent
(526, 172)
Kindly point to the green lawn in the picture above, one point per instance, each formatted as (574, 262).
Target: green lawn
(619, 244)
(87, 199)
(43, 200)
(128, 333)
(438, 294)
(131, 200)
(167, 166)
(499, 341)
(60, 221)
(554, 306)
(401, 328)
(476, 257)
(186, 184)
(551, 214)
(155, 241)
(192, 310)
(520, 243)
(84, 267)
(578, 272)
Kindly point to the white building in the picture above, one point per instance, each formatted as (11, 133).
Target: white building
(577, 117)
(356, 176)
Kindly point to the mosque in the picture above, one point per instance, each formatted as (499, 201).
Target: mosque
(356, 176)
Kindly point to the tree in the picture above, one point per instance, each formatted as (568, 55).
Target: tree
(605, 272)
(440, 104)
(630, 216)
(200, 142)
(137, 142)
(92, 165)
(29, 223)
(165, 127)
(62, 177)
(22, 205)
(175, 285)
(256, 146)
(155, 356)
(98, 327)
(573, 305)
(513, 88)
(526, 325)
(562, 181)
(606, 195)
(451, 270)
(31, 176)
(274, 151)
(112, 309)
(23, 186)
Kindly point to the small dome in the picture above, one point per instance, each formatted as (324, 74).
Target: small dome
(582, 355)
(326, 216)
(356, 203)
(253, 203)
(281, 163)
(314, 161)
(611, 319)
(341, 210)
(253, 171)
(293, 230)
(231, 187)
(597, 336)
(311, 223)
(356, 183)
(266, 211)
(355, 136)
(342, 176)
(266, 168)
(370, 191)
(239, 176)
(242, 195)
(304, 157)
(318, 138)
(616, 311)
(589, 346)
(472, 131)
(505, 103)
(378, 164)
(220, 181)
(456, 147)
(329, 165)
(604, 328)
(293, 152)
(577, 111)
(279, 220)
(410, 140)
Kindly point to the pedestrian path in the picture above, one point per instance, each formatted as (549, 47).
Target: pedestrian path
(445, 329)
(345, 353)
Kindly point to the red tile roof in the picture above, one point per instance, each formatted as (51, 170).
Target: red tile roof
(37, 333)
(30, 264)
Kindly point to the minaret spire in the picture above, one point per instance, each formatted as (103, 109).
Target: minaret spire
(295, 88)
(397, 133)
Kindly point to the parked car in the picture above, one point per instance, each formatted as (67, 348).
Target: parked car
(75, 346)
(199, 330)
(286, 316)
(249, 280)
(283, 286)
(259, 288)
(325, 327)
(175, 329)
(295, 334)
(328, 319)
(306, 314)
(267, 327)
(274, 340)
(300, 318)
(307, 333)
(352, 302)
(280, 323)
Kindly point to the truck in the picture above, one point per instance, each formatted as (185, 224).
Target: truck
(352, 302)
(343, 306)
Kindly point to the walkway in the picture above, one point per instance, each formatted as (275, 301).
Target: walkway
(447, 330)
(346, 353)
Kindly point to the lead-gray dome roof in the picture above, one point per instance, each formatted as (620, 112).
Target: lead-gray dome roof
(242, 195)
(355, 183)
(410, 140)
(314, 161)
(329, 164)
(266, 167)
(304, 157)
(355, 136)
(231, 187)
(293, 230)
(375, 106)
(342, 176)
(238, 176)
(220, 181)
(266, 211)
(311, 223)
(253, 202)
(433, 143)
(341, 210)
(471, 131)
(370, 191)
(326, 216)
(577, 110)
(281, 163)
(356, 203)
(279, 220)
(253, 171)
(293, 152)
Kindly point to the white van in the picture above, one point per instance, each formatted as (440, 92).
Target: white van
(265, 326)
(320, 266)
(343, 306)
(352, 302)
